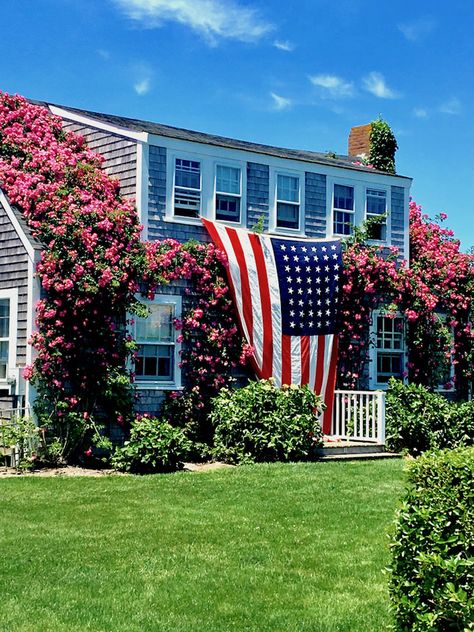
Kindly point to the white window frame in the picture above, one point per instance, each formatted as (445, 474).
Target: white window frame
(273, 202)
(170, 187)
(373, 351)
(386, 190)
(12, 296)
(234, 164)
(163, 385)
(353, 186)
(441, 388)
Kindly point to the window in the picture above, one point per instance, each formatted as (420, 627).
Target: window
(187, 188)
(376, 207)
(228, 193)
(157, 354)
(4, 337)
(389, 347)
(288, 202)
(343, 209)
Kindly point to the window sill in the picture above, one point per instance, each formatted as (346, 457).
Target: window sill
(157, 386)
(286, 232)
(190, 221)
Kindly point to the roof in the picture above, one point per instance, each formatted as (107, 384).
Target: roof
(137, 125)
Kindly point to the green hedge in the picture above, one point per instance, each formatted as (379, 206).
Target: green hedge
(432, 573)
(419, 420)
(264, 423)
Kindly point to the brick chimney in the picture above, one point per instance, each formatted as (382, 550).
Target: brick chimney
(359, 140)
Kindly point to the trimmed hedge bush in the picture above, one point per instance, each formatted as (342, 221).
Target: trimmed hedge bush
(264, 423)
(154, 446)
(432, 573)
(419, 420)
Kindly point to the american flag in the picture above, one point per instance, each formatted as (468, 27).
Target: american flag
(286, 292)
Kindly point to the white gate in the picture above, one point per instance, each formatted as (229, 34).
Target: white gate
(359, 416)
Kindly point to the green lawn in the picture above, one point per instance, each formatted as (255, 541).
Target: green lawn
(272, 547)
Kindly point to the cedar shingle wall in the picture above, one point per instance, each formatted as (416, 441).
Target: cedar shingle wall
(14, 274)
(120, 154)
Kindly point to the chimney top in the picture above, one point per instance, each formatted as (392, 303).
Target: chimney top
(359, 140)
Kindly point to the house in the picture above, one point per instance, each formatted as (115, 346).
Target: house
(176, 175)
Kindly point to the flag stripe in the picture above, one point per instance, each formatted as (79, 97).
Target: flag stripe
(266, 312)
(277, 365)
(286, 360)
(330, 387)
(320, 365)
(296, 360)
(244, 281)
(305, 359)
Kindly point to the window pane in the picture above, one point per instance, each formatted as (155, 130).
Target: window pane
(343, 197)
(227, 208)
(188, 174)
(376, 202)
(389, 365)
(377, 231)
(288, 189)
(228, 180)
(4, 317)
(158, 326)
(288, 215)
(155, 362)
(3, 359)
(343, 223)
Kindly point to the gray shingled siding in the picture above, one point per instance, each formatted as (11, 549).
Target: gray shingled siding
(157, 227)
(315, 205)
(258, 193)
(14, 274)
(397, 218)
(120, 154)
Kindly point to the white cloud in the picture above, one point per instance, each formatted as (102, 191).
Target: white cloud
(280, 103)
(451, 106)
(374, 82)
(214, 19)
(105, 54)
(420, 112)
(285, 45)
(334, 86)
(417, 29)
(143, 86)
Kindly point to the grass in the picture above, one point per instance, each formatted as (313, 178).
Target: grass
(269, 547)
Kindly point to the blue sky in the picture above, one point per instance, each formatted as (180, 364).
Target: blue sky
(295, 74)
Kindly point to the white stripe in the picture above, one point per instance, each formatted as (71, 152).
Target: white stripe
(255, 295)
(275, 301)
(313, 355)
(327, 362)
(296, 359)
(234, 270)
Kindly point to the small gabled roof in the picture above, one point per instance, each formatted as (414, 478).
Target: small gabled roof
(157, 129)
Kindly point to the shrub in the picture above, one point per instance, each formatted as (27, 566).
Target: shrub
(432, 573)
(419, 420)
(263, 423)
(154, 446)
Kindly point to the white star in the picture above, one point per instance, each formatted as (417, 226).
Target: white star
(326, 279)
(310, 302)
(296, 258)
(286, 258)
(319, 303)
(311, 324)
(326, 268)
(315, 258)
(318, 291)
(336, 267)
(300, 303)
(319, 325)
(309, 291)
(310, 313)
(318, 269)
(298, 280)
(306, 258)
(291, 301)
(324, 248)
(326, 257)
(328, 312)
(328, 301)
(308, 268)
(327, 323)
(302, 314)
(292, 313)
(333, 247)
(336, 277)
(290, 290)
(336, 289)
(309, 280)
(297, 268)
(327, 290)
(283, 247)
(318, 279)
(287, 268)
(319, 312)
(313, 249)
(292, 325)
(289, 279)
(293, 248)
(304, 249)
(300, 291)
(335, 257)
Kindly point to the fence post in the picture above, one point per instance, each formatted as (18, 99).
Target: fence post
(381, 417)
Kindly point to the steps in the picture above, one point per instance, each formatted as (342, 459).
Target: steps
(353, 450)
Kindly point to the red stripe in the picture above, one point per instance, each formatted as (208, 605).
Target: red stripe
(318, 383)
(330, 387)
(266, 306)
(304, 359)
(244, 281)
(286, 359)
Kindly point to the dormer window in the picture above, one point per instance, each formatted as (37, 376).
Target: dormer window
(187, 188)
(228, 193)
(343, 209)
(288, 202)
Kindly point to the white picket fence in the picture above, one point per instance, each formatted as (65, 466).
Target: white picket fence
(359, 416)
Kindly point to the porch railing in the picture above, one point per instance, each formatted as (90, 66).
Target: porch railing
(359, 416)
